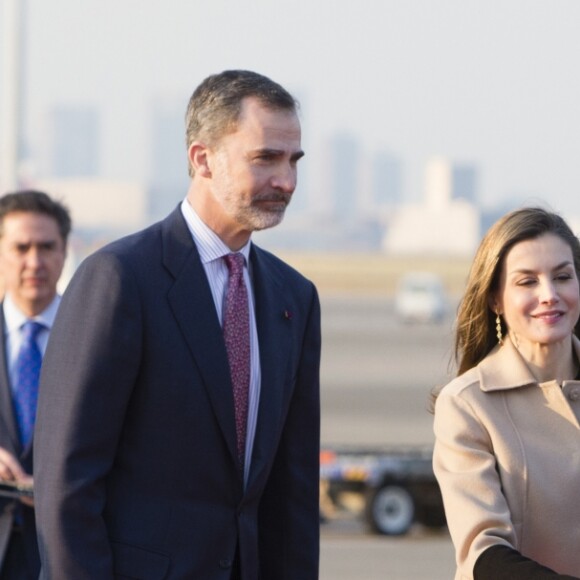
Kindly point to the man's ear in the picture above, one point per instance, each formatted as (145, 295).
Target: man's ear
(198, 158)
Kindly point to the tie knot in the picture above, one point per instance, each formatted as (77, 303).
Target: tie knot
(235, 263)
(31, 328)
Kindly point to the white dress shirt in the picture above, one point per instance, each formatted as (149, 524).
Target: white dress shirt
(14, 319)
(211, 251)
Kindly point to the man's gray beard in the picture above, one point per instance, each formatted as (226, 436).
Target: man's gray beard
(262, 220)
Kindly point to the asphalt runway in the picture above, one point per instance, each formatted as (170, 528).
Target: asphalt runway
(377, 373)
(376, 378)
(417, 557)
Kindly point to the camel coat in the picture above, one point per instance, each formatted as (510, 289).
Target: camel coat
(507, 458)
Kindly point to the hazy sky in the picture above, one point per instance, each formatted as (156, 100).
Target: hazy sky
(494, 82)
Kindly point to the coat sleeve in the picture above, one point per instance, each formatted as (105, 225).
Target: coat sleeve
(289, 510)
(87, 377)
(477, 512)
(503, 563)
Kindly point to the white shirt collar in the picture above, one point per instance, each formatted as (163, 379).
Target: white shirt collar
(209, 244)
(14, 318)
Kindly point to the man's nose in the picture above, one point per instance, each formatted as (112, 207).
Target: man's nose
(285, 179)
(33, 258)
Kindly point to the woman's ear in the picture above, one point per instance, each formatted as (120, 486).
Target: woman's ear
(493, 304)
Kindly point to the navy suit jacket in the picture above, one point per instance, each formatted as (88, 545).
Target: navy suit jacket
(136, 468)
(9, 440)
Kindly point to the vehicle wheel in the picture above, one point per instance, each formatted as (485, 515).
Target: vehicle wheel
(390, 510)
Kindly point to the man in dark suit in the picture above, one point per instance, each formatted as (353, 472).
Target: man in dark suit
(33, 235)
(178, 428)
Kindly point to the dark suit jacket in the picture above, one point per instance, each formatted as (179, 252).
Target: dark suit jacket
(9, 440)
(135, 461)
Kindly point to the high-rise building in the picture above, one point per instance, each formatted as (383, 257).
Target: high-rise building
(446, 181)
(464, 179)
(438, 182)
(75, 141)
(168, 180)
(344, 175)
(13, 150)
(447, 223)
(386, 179)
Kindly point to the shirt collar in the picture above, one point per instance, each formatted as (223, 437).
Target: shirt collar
(14, 318)
(504, 367)
(209, 244)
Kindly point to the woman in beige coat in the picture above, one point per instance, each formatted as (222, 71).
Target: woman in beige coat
(507, 450)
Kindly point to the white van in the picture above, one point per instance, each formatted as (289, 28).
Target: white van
(421, 297)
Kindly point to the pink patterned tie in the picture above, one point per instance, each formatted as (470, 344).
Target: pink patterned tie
(237, 339)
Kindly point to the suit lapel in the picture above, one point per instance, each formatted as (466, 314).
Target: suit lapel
(274, 336)
(192, 304)
(7, 420)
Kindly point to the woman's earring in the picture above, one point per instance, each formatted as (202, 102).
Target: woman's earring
(498, 328)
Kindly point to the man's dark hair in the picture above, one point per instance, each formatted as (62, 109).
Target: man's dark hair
(35, 202)
(214, 108)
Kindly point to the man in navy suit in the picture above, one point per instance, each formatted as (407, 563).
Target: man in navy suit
(33, 234)
(140, 468)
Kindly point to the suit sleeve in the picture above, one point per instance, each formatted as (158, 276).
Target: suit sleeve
(289, 510)
(87, 377)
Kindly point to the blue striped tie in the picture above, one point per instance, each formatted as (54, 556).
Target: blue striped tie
(25, 393)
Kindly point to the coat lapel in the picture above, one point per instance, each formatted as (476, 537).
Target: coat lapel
(274, 336)
(7, 420)
(192, 304)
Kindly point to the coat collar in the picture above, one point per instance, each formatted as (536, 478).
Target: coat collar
(274, 337)
(192, 305)
(7, 420)
(504, 368)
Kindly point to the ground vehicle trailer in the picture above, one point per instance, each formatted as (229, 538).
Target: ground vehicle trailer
(397, 485)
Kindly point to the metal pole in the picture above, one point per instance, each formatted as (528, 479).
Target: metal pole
(10, 115)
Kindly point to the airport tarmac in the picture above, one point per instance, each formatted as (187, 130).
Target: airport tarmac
(376, 377)
(377, 373)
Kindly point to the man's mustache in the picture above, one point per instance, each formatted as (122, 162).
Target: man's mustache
(274, 196)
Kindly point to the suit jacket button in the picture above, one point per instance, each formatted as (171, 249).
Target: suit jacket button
(225, 563)
(574, 395)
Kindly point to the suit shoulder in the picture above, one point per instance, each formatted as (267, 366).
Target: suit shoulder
(168, 241)
(135, 243)
(127, 260)
(135, 251)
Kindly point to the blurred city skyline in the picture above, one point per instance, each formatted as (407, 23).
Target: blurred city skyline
(488, 86)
